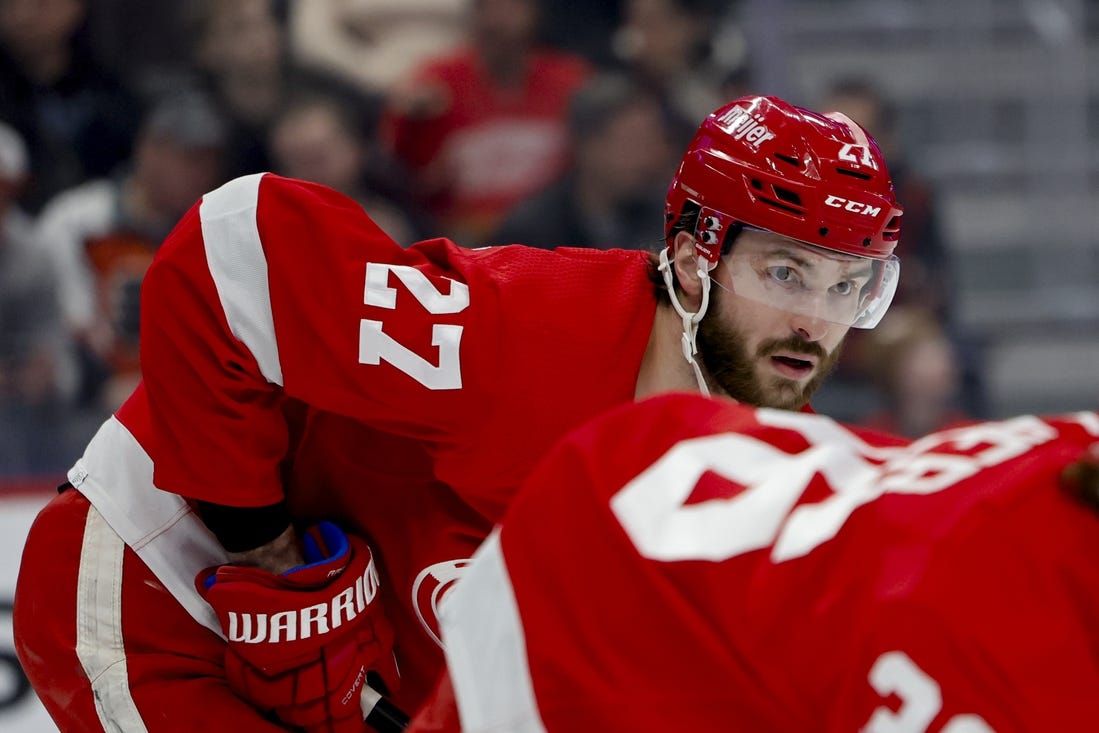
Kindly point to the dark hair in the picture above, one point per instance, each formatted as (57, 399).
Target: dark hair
(604, 97)
(1081, 478)
(188, 117)
(199, 16)
(685, 221)
(660, 288)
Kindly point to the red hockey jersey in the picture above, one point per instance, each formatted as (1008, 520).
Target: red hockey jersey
(696, 565)
(291, 349)
(489, 145)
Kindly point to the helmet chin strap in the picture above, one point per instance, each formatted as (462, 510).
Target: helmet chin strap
(690, 320)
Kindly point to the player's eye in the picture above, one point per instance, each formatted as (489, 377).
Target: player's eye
(781, 274)
(847, 287)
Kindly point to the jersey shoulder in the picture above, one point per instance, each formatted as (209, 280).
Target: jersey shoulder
(787, 539)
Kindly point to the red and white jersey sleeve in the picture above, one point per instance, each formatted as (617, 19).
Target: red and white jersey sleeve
(273, 290)
(740, 569)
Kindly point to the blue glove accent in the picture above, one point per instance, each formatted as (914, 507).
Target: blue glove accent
(323, 543)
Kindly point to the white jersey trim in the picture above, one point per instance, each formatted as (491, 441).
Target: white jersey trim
(99, 645)
(486, 650)
(116, 476)
(234, 253)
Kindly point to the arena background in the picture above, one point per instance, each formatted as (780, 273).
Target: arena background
(998, 105)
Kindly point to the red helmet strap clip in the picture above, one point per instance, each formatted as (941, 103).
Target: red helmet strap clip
(714, 234)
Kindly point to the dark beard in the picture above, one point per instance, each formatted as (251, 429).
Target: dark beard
(724, 354)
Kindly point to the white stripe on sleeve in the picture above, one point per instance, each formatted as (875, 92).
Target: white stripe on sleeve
(99, 626)
(486, 649)
(239, 268)
(116, 476)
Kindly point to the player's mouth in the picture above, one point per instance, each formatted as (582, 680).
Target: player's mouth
(793, 366)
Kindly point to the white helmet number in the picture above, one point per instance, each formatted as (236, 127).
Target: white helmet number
(858, 154)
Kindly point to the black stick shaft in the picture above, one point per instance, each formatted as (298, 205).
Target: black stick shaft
(380, 714)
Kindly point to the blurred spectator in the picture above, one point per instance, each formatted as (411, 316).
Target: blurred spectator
(317, 138)
(583, 27)
(928, 277)
(484, 127)
(667, 45)
(35, 369)
(239, 47)
(145, 45)
(103, 234)
(740, 79)
(917, 373)
(374, 42)
(613, 194)
(77, 121)
(241, 51)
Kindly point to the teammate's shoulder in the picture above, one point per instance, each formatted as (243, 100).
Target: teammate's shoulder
(653, 425)
(692, 408)
(698, 415)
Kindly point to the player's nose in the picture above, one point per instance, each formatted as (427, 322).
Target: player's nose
(808, 327)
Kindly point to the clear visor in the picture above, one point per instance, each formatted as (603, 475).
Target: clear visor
(810, 281)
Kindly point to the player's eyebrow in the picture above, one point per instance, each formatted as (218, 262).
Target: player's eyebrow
(797, 256)
(790, 254)
(866, 271)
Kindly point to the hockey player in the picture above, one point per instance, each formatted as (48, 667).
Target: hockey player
(299, 366)
(697, 565)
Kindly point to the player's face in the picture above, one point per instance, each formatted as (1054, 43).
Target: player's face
(760, 354)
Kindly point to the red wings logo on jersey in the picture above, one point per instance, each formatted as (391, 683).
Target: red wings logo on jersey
(431, 587)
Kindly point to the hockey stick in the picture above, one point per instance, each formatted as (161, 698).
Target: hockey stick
(379, 713)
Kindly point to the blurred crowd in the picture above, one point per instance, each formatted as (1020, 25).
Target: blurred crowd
(486, 121)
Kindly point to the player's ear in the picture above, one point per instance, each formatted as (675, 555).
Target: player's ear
(685, 261)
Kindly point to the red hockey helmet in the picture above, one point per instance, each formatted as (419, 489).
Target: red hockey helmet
(764, 163)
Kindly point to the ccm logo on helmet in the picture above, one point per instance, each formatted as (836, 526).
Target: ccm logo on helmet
(742, 125)
(852, 206)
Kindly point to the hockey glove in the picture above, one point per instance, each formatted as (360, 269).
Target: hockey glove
(301, 643)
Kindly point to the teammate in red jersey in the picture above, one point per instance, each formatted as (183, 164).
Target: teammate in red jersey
(699, 565)
(299, 366)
